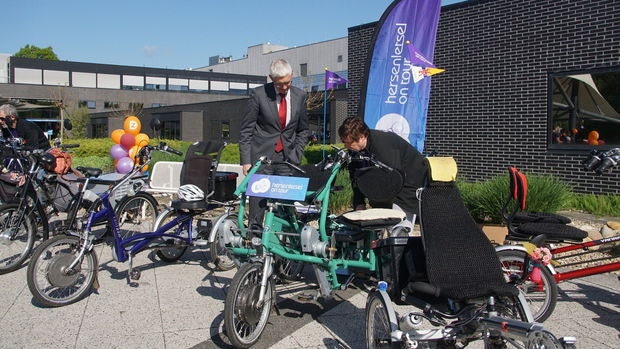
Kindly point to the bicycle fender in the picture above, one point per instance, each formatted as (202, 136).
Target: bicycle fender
(520, 248)
(217, 225)
(161, 216)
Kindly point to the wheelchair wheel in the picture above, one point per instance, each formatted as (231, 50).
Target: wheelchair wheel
(244, 318)
(380, 321)
(541, 292)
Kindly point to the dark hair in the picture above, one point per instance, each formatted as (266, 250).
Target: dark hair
(353, 128)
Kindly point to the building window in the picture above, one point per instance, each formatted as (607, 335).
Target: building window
(100, 131)
(87, 104)
(339, 58)
(110, 105)
(584, 109)
(225, 130)
(303, 69)
(171, 129)
(136, 106)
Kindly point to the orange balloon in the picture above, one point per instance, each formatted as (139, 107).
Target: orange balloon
(145, 168)
(133, 151)
(142, 139)
(593, 135)
(132, 125)
(116, 135)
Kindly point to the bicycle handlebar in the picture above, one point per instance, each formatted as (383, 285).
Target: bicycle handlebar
(600, 162)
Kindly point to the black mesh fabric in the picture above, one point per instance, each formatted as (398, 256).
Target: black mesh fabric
(553, 231)
(460, 260)
(198, 161)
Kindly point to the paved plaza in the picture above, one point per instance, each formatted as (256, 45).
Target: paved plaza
(181, 305)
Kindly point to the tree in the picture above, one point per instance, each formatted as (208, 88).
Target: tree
(29, 51)
(79, 120)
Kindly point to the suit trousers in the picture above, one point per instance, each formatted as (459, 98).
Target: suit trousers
(258, 204)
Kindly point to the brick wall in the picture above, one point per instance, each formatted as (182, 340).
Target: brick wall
(489, 109)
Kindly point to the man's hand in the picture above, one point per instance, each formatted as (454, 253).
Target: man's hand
(246, 168)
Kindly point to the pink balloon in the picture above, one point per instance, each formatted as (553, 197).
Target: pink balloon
(127, 141)
(117, 152)
(124, 165)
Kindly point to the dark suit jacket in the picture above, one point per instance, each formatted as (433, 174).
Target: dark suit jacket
(260, 128)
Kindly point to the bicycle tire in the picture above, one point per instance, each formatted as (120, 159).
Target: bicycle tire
(136, 214)
(541, 295)
(16, 237)
(176, 250)
(380, 322)
(48, 281)
(220, 255)
(244, 319)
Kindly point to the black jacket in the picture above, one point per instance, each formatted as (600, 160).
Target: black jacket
(392, 150)
(31, 133)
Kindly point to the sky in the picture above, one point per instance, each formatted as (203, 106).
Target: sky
(176, 34)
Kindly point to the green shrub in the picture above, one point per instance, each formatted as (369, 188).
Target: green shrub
(486, 199)
(599, 205)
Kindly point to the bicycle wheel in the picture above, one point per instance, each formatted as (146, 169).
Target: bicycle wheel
(17, 235)
(220, 255)
(177, 248)
(136, 214)
(50, 281)
(541, 292)
(244, 318)
(380, 322)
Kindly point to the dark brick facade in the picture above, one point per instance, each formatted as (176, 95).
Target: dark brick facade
(489, 109)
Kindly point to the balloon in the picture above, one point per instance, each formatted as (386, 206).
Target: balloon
(117, 152)
(593, 136)
(124, 165)
(142, 139)
(116, 135)
(127, 141)
(133, 151)
(132, 125)
(145, 168)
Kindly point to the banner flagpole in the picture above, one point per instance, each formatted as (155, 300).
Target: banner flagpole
(331, 80)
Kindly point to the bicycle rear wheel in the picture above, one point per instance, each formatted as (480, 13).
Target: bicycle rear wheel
(541, 291)
(177, 248)
(220, 255)
(244, 318)
(17, 235)
(136, 214)
(50, 280)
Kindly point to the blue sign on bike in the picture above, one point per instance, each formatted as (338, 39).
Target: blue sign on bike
(278, 187)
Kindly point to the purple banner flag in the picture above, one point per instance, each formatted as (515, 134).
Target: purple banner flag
(396, 94)
(332, 80)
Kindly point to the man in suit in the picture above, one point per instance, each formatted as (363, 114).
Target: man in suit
(275, 125)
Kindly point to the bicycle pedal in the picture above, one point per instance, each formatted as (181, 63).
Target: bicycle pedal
(305, 297)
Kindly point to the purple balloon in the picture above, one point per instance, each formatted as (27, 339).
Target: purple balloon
(124, 165)
(118, 152)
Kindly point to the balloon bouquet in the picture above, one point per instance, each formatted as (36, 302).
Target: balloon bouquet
(127, 142)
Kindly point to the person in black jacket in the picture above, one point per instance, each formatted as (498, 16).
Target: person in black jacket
(14, 127)
(391, 150)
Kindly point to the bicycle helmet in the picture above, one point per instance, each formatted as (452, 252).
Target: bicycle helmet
(190, 192)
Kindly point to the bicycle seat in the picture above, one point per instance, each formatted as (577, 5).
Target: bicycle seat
(89, 171)
(460, 261)
(190, 205)
(357, 223)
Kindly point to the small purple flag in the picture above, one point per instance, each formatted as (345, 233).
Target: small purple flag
(416, 57)
(332, 80)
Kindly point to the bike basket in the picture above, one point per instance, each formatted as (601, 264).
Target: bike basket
(225, 185)
(64, 192)
(8, 191)
(400, 261)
